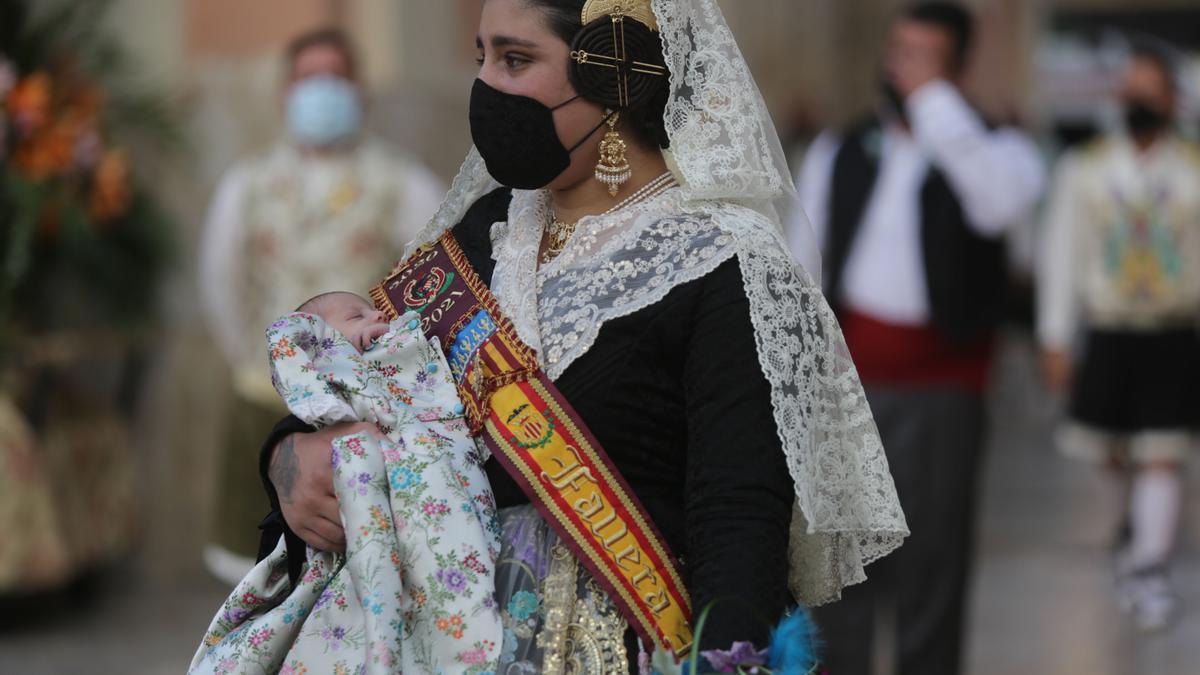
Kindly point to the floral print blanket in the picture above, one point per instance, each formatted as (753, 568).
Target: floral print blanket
(414, 591)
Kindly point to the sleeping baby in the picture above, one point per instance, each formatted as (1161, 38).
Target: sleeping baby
(415, 589)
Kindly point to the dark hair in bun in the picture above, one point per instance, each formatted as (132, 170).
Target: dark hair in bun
(647, 94)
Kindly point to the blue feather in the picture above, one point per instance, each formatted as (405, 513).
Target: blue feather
(794, 645)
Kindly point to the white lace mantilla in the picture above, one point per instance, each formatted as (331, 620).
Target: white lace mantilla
(847, 513)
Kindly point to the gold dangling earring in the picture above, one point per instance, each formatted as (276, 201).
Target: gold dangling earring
(613, 169)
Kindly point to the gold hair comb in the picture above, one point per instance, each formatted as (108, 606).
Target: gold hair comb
(638, 10)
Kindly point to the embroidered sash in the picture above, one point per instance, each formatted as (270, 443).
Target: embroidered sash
(541, 441)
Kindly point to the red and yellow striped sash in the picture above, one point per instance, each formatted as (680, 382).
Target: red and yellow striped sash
(541, 441)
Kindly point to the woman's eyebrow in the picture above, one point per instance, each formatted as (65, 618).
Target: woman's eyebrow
(499, 41)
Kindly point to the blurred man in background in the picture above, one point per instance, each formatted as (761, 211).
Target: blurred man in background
(328, 207)
(1121, 260)
(911, 207)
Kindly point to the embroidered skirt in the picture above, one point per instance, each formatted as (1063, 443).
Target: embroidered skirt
(556, 617)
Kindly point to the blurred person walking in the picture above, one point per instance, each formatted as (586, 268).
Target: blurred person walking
(328, 207)
(1119, 300)
(911, 206)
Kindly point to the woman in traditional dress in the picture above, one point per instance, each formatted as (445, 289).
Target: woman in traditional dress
(621, 207)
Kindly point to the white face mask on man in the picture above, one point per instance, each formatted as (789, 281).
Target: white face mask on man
(323, 111)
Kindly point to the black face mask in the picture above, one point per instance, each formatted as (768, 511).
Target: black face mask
(517, 138)
(893, 102)
(1141, 118)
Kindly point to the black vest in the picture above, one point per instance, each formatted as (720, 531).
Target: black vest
(966, 274)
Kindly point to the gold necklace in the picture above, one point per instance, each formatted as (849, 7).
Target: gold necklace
(557, 235)
(558, 232)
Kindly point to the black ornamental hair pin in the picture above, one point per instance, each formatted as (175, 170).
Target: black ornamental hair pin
(617, 62)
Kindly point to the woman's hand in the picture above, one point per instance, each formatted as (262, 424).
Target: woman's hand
(302, 473)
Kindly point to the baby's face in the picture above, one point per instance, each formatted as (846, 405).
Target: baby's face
(354, 318)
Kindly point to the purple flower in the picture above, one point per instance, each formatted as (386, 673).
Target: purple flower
(306, 341)
(333, 637)
(454, 580)
(326, 596)
(742, 654)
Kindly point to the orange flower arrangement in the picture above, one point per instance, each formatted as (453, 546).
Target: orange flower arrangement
(55, 132)
(76, 217)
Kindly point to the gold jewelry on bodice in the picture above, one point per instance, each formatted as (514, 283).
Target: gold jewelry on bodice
(558, 232)
(557, 235)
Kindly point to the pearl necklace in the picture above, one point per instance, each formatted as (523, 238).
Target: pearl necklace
(558, 233)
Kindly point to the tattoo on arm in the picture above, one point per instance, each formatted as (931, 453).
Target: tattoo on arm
(285, 468)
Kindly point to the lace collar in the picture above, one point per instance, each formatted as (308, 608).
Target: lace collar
(518, 281)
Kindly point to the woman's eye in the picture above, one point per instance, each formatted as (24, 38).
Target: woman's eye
(514, 61)
(479, 60)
